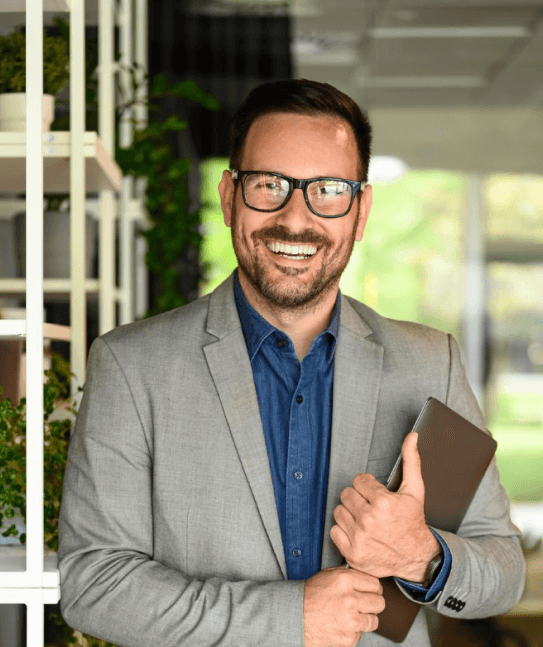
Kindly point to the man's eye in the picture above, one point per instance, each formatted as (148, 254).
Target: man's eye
(328, 189)
(270, 185)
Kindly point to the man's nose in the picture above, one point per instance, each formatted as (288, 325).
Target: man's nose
(296, 210)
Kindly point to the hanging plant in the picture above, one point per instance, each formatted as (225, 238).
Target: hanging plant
(13, 453)
(175, 230)
(57, 430)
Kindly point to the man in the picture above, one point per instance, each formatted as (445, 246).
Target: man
(229, 456)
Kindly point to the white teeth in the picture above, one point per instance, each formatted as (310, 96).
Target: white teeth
(297, 250)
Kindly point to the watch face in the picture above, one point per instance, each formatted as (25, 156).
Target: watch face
(434, 566)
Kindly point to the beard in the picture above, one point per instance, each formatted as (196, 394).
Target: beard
(292, 292)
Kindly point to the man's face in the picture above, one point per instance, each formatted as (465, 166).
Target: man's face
(303, 147)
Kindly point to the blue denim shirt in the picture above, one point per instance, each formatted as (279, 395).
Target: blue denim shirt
(295, 400)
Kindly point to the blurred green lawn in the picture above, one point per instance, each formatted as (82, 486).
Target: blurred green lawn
(521, 470)
(516, 422)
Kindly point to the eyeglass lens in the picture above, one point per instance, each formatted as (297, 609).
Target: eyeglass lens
(327, 197)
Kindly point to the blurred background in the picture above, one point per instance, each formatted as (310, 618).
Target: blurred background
(454, 91)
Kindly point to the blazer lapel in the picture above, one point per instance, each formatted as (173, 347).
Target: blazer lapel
(358, 365)
(231, 370)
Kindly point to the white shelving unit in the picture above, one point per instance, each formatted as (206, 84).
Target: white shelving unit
(77, 162)
(14, 329)
(101, 171)
(48, 5)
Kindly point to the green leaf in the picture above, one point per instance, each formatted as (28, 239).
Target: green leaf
(10, 531)
(174, 123)
(192, 90)
(159, 84)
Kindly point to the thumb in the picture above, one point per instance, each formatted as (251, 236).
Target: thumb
(412, 482)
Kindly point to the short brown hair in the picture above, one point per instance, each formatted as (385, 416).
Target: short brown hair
(303, 97)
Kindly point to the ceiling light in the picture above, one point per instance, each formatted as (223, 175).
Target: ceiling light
(449, 32)
(420, 82)
(386, 168)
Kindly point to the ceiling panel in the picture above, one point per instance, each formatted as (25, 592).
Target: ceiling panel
(514, 87)
(429, 56)
(434, 15)
(448, 84)
(385, 46)
(372, 98)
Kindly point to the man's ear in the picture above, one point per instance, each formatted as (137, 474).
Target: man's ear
(226, 191)
(364, 207)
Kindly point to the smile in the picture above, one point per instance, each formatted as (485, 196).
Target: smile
(294, 252)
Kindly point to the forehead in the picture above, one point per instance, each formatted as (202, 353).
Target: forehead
(301, 146)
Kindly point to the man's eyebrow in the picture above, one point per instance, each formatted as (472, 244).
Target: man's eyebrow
(334, 175)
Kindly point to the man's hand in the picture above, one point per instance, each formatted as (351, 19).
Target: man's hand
(384, 533)
(339, 605)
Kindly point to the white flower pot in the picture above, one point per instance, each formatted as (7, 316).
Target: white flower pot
(56, 244)
(13, 111)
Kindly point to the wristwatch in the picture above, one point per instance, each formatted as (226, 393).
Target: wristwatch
(433, 567)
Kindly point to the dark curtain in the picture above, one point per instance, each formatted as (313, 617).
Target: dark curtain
(227, 52)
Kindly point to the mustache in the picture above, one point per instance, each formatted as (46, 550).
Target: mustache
(280, 233)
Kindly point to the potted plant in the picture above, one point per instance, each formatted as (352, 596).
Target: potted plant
(56, 223)
(13, 78)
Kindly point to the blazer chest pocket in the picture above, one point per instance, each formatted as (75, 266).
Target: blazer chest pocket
(381, 467)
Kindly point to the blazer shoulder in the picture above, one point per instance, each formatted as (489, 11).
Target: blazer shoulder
(397, 332)
(177, 327)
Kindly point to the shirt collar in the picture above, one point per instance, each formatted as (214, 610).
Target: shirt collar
(256, 329)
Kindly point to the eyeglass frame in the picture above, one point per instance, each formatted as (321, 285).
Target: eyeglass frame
(294, 183)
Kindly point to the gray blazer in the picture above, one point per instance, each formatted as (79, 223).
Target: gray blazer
(168, 530)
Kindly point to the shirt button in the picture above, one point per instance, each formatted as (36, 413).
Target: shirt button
(281, 343)
(299, 399)
(296, 552)
(298, 475)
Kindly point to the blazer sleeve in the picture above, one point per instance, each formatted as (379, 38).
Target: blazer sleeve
(111, 587)
(488, 571)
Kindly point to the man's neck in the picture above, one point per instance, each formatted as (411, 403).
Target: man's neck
(302, 324)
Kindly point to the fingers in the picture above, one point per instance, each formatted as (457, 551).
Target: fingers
(340, 538)
(412, 482)
(363, 607)
(371, 603)
(344, 517)
(339, 605)
(352, 499)
(368, 622)
(367, 486)
(364, 583)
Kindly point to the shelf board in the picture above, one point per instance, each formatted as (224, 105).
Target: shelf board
(20, 595)
(135, 211)
(13, 567)
(61, 287)
(16, 587)
(101, 170)
(15, 329)
(8, 6)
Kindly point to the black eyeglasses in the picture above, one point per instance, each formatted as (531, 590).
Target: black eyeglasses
(327, 197)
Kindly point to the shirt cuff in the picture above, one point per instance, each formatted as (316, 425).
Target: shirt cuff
(422, 593)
